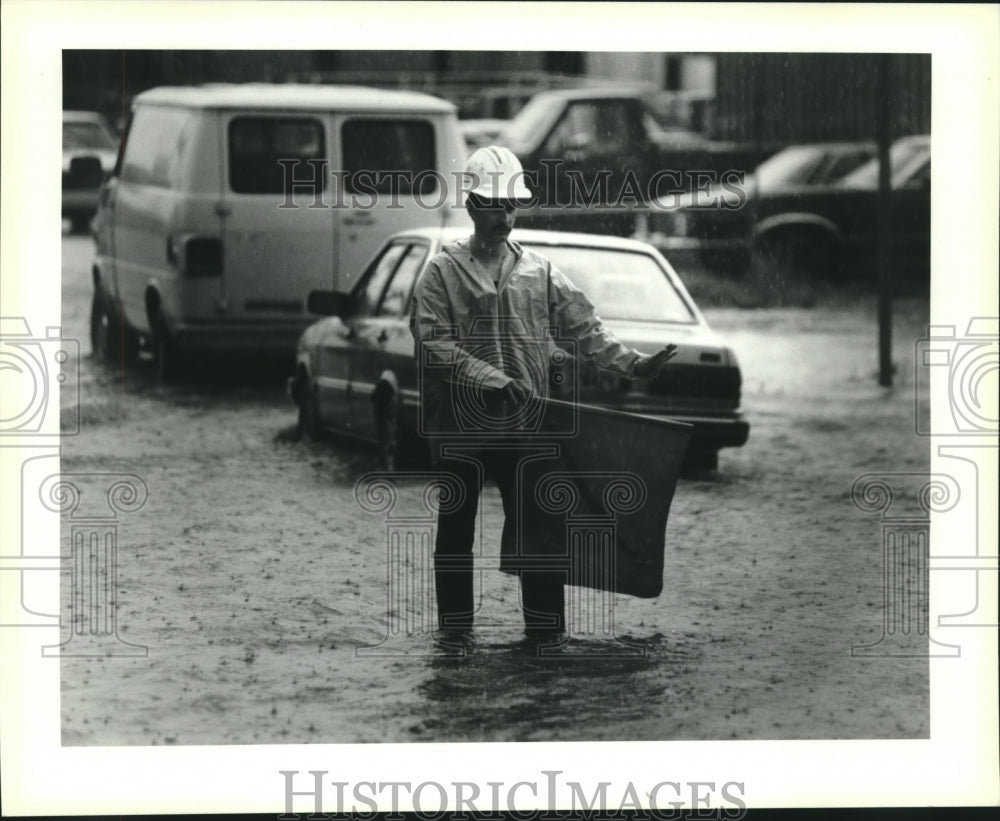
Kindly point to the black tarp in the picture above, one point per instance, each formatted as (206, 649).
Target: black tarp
(594, 497)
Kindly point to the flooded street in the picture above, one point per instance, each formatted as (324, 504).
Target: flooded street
(264, 590)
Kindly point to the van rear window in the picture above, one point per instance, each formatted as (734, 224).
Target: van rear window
(271, 155)
(389, 156)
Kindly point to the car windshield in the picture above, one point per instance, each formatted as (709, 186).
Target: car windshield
(623, 285)
(87, 135)
(793, 166)
(529, 125)
(902, 156)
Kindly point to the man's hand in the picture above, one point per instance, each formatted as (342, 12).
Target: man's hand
(649, 366)
(519, 392)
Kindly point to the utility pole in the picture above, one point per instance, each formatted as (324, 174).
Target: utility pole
(883, 136)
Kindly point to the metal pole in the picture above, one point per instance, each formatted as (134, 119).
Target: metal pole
(884, 138)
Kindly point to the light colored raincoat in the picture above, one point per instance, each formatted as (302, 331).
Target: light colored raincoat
(473, 336)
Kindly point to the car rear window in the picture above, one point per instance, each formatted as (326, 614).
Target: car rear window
(389, 155)
(268, 154)
(623, 285)
(82, 134)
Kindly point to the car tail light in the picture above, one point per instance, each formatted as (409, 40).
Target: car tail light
(198, 256)
(203, 257)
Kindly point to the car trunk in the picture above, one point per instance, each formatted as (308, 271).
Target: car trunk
(703, 377)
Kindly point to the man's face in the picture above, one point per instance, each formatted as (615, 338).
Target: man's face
(493, 219)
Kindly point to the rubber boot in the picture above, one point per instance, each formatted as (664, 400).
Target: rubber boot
(455, 599)
(544, 601)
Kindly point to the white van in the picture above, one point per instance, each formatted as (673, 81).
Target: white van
(230, 203)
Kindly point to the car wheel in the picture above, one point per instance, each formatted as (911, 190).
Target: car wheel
(169, 359)
(389, 435)
(307, 427)
(166, 358)
(794, 258)
(388, 426)
(105, 331)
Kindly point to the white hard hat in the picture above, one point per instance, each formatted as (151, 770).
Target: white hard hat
(494, 173)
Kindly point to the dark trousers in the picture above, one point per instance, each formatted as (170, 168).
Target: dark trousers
(541, 590)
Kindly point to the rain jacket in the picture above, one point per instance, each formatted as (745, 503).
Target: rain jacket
(473, 336)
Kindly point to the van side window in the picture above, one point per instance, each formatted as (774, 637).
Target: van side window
(397, 295)
(387, 156)
(373, 283)
(154, 147)
(257, 144)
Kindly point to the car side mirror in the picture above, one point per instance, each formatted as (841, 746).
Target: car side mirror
(330, 303)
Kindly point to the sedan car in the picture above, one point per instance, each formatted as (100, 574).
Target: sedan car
(808, 230)
(711, 226)
(90, 150)
(832, 231)
(356, 372)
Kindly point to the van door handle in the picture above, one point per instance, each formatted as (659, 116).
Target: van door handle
(360, 218)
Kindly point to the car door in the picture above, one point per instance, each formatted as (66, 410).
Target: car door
(277, 227)
(384, 344)
(340, 346)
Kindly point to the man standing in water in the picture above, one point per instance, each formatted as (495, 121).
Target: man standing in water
(481, 318)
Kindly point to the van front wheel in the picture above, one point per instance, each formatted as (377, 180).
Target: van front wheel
(169, 360)
(388, 426)
(105, 329)
(308, 422)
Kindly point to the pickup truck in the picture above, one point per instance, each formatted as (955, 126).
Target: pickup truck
(593, 155)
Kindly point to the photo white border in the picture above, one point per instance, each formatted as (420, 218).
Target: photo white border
(957, 766)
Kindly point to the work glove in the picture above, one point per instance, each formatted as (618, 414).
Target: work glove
(650, 365)
(519, 392)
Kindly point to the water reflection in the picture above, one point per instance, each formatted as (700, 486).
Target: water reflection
(509, 692)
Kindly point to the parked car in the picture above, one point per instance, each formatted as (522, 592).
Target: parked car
(232, 202)
(356, 370)
(811, 226)
(610, 142)
(711, 226)
(89, 152)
